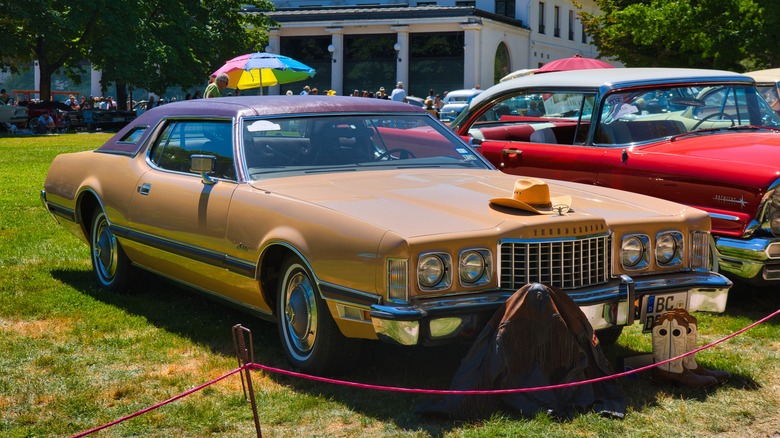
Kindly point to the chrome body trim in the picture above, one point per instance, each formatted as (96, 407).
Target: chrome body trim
(605, 305)
(725, 217)
(750, 259)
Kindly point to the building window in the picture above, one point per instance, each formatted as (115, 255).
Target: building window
(557, 29)
(468, 4)
(541, 17)
(435, 61)
(501, 63)
(505, 8)
(571, 25)
(584, 37)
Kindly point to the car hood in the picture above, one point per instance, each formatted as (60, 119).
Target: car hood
(750, 157)
(425, 202)
(726, 145)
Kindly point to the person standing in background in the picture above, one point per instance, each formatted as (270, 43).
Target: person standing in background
(398, 94)
(215, 88)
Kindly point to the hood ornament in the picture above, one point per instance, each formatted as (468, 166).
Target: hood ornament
(562, 209)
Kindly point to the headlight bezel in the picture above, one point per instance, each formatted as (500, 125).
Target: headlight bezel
(674, 256)
(483, 274)
(641, 259)
(440, 280)
(772, 213)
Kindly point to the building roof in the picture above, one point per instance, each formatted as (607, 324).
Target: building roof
(380, 13)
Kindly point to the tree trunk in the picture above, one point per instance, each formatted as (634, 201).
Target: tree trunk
(46, 72)
(121, 95)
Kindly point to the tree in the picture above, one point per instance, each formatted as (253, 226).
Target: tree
(720, 34)
(51, 33)
(151, 44)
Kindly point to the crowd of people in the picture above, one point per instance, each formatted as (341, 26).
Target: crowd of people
(217, 84)
(432, 103)
(104, 103)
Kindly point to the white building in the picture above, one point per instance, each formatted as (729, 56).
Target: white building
(440, 45)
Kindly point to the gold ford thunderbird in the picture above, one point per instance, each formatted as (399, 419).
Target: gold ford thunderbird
(346, 219)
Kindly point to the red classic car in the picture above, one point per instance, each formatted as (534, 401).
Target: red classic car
(700, 137)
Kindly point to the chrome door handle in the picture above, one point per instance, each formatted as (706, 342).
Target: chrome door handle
(144, 188)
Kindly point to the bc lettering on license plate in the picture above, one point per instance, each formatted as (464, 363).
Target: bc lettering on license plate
(654, 305)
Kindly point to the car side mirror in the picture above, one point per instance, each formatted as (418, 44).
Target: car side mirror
(204, 165)
(475, 143)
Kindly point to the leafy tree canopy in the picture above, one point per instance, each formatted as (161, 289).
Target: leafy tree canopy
(152, 44)
(737, 35)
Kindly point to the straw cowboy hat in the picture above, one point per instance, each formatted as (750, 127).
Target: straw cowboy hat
(533, 194)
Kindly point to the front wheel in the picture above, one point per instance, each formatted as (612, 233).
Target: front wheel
(109, 262)
(309, 336)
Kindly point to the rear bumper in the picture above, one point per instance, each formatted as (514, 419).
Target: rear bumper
(613, 304)
(755, 261)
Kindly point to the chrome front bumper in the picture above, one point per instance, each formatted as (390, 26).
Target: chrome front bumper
(755, 260)
(613, 304)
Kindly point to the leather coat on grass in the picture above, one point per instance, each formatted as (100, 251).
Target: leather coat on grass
(539, 337)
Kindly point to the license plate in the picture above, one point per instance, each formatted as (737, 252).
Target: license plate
(654, 305)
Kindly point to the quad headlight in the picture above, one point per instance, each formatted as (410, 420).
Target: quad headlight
(668, 248)
(773, 212)
(633, 251)
(475, 267)
(636, 250)
(433, 271)
(437, 270)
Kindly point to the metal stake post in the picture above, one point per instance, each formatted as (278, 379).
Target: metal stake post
(245, 357)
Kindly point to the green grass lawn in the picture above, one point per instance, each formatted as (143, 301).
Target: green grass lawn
(73, 356)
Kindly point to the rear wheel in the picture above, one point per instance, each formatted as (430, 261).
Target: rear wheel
(109, 262)
(309, 336)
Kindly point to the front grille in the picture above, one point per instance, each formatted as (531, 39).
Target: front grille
(565, 264)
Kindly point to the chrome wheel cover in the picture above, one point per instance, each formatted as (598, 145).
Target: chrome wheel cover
(300, 314)
(104, 251)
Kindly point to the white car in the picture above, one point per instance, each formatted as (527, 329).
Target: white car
(13, 114)
(455, 102)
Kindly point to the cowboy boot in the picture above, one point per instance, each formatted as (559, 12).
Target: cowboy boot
(689, 362)
(669, 340)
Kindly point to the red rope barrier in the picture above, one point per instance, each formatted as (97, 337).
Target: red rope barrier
(163, 403)
(505, 391)
(424, 391)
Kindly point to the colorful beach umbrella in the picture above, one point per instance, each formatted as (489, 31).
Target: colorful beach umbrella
(263, 69)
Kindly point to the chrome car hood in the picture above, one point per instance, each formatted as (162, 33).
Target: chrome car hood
(422, 202)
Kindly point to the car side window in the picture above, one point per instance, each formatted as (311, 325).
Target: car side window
(181, 139)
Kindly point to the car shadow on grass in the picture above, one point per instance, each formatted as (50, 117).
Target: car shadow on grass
(209, 322)
(753, 302)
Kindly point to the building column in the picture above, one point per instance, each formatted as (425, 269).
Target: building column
(94, 86)
(274, 45)
(337, 58)
(36, 80)
(402, 55)
(472, 55)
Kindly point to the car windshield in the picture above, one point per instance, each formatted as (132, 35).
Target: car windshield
(649, 114)
(278, 147)
(551, 105)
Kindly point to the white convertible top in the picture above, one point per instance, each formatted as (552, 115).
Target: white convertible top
(611, 78)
